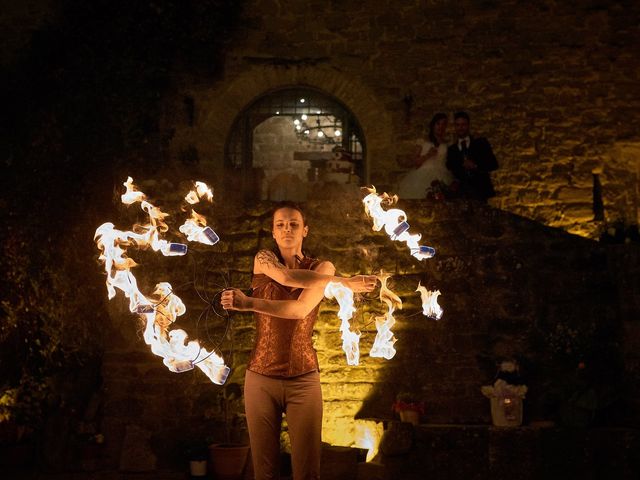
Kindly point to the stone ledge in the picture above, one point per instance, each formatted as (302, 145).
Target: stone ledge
(528, 452)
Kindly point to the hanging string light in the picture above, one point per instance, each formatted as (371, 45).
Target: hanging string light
(319, 129)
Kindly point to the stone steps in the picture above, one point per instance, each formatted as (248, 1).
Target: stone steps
(486, 452)
(469, 452)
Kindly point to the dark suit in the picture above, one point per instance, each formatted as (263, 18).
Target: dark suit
(474, 183)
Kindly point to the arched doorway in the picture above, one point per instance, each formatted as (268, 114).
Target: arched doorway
(289, 143)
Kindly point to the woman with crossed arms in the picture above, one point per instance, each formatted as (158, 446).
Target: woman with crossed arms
(283, 374)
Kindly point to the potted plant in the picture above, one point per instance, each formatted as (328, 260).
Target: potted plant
(587, 395)
(408, 407)
(506, 395)
(228, 459)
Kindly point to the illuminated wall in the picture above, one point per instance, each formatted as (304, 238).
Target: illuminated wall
(551, 85)
(506, 282)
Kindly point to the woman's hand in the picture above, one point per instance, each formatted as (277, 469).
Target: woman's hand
(432, 153)
(234, 299)
(360, 283)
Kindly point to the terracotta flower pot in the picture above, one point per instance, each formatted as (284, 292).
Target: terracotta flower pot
(410, 416)
(228, 461)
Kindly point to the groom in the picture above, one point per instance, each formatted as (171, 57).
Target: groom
(470, 159)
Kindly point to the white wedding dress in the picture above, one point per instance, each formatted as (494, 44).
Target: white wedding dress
(415, 183)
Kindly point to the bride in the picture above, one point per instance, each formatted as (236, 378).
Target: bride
(431, 158)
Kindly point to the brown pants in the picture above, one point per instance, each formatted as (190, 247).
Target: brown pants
(300, 398)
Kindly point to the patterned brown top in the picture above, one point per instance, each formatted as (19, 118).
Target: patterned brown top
(283, 346)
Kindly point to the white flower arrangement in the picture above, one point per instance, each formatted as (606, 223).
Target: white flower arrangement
(502, 389)
(506, 398)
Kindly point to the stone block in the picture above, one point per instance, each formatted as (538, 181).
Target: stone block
(574, 195)
(578, 212)
(513, 450)
(397, 439)
(373, 471)
(339, 463)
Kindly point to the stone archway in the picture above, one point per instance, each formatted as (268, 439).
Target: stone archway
(289, 143)
(218, 108)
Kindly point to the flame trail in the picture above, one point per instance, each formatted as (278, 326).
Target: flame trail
(146, 235)
(430, 307)
(368, 434)
(394, 222)
(195, 228)
(163, 307)
(350, 340)
(383, 343)
(201, 190)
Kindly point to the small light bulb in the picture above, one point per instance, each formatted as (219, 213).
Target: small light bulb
(304, 116)
(278, 112)
(306, 132)
(302, 100)
(321, 134)
(298, 127)
(319, 112)
(338, 133)
(296, 122)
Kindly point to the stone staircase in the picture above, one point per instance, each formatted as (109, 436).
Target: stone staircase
(485, 452)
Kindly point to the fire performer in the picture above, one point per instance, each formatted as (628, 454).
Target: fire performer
(283, 374)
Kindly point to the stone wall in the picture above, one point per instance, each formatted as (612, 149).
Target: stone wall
(274, 144)
(507, 283)
(552, 85)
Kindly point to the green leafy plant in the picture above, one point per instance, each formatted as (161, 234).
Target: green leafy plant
(584, 394)
(43, 337)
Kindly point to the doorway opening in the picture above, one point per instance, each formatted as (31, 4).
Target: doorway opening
(289, 143)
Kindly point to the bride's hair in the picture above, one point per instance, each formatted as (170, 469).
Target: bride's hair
(432, 125)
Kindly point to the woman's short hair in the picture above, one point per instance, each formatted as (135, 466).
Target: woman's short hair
(461, 114)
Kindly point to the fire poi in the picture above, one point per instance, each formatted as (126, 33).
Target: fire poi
(383, 343)
(350, 339)
(394, 222)
(430, 307)
(160, 309)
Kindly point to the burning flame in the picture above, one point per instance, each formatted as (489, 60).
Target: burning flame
(201, 190)
(350, 340)
(383, 343)
(430, 307)
(132, 194)
(394, 222)
(196, 230)
(368, 434)
(163, 307)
